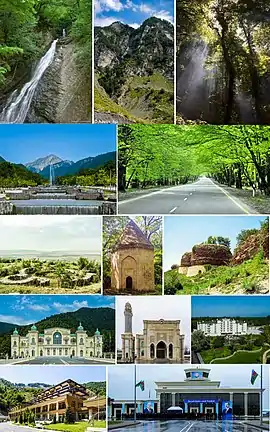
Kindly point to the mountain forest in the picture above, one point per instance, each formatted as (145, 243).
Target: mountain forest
(45, 61)
(102, 318)
(113, 228)
(235, 156)
(223, 68)
(134, 71)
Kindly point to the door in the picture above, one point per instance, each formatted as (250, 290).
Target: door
(161, 351)
(129, 283)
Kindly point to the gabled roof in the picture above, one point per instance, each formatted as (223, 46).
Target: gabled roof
(133, 236)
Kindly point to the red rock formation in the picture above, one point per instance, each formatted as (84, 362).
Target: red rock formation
(251, 246)
(186, 260)
(210, 254)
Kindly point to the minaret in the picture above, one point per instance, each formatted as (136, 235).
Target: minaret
(128, 318)
(128, 340)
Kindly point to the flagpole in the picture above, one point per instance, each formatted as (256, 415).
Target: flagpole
(135, 403)
(261, 417)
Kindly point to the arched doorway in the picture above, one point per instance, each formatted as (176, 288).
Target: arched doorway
(81, 353)
(129, 283)
(41, 353)
(73, 353)
(161, 350)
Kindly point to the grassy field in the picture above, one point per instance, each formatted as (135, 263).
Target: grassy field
(76, 427)
(238, 357)
(39, 276)
(250, 277)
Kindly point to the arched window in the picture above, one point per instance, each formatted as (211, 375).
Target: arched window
(171, 351)
(33, 341)
(57, 338)
(152, 350)
(15, 343)
(48, 352)
(14, 353)
(33, 353)
(142, 353)
(81, 341)
(91, 353)
(161, 350)
(81, 353)
(41, 353)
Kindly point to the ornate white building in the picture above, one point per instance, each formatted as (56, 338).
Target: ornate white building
(226, 326)
(56, 341)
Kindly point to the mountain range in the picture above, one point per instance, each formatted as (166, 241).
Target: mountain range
(135, 69)
(66, 167)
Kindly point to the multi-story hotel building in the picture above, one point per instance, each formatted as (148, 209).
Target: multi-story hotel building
(226, 326)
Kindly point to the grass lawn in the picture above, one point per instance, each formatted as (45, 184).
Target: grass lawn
(76, 427)
(243, 357)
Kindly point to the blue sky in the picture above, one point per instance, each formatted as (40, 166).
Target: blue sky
(233, 376)
(132, 12)
(25, 143)
(53, 374)
(23, 310)
(247, 306)
(181, 233)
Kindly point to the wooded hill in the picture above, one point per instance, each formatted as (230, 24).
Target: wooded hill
(236, 156)
(223, 69)
(102, 318)
(13, 175)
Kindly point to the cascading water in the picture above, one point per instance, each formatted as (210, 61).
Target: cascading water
(18, 105)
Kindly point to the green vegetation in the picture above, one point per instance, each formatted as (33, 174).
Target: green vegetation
(47, 276)
(76, 427)
(236, 156)
(245, 278)
(102, 318)
(113, 228)
(101, 176)
(217, 347)
(13, 175)
(27, 27)
(228, 44)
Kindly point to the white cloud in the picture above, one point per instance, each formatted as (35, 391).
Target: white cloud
(81, 304)
(104, 21)
(69, 307)
(134, 25)
(37, 307)
(14, 319)
(144, 8)
(107, 5)
(164, 15)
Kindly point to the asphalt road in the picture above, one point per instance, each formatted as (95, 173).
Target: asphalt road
(190, 426)
(201, 197)
(8, 427)
(59, 361)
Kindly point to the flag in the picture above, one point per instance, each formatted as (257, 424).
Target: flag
(253, 376)
(141, 385)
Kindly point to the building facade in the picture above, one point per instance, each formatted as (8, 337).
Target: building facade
(53, 403)
(198, 395)
(132, 262)
(226, 326)
(56, 341)
(160, 342)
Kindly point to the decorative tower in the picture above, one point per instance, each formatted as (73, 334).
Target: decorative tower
(133, 261)
(128, 340)
(98, 343)
(15, 344)
(33, 341)
(81, 341)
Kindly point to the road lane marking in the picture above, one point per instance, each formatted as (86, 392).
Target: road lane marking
(192, 424)
(182, 430)
(190, 193)
(231, 198)
(172, 210)
(185, 199)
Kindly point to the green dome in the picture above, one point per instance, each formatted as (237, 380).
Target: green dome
(97, 332)
(15, 331)
(80, 327)
(33, 327)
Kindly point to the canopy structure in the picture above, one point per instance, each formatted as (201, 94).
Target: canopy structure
(175, 408)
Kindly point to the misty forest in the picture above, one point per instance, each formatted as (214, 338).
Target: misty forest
(223, 68)
(45, 61)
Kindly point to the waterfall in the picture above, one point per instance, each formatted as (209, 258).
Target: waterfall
(18, 105)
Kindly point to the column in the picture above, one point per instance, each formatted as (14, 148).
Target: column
(246, 403)
(231, 397)
(158, 404)
(173, 399)
(186, 408)
(57, 409)
(201, 408)
(217, 413)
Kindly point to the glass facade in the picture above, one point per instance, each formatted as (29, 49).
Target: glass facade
(254, 403)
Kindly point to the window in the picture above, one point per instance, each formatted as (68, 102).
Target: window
(14, 343)
(152, 351)
(66, 351)
(142, 353)
(61, 405)
(33, 341)
(48, 352)
(57, 338)
(170, 351)
(81, 341)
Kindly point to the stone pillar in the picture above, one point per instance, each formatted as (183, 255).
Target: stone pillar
(217, 413)
(123, 410)
(158, 404)
(231, 397)
(201, 408)
(186, 408)
(246, 403)
(57, 409)
(173, 399)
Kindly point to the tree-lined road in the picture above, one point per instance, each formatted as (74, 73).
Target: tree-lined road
(200, 197)
(190, 426)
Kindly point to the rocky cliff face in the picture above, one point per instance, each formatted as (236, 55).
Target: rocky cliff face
(203, 254)
(251, 247)
(146, 49)
(134, 70)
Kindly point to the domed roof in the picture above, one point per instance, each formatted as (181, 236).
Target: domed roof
(15, 332)
(133, 236)
(80, 327)
(97, 332)
(33, 327)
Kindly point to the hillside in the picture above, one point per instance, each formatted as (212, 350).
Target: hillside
(91, 319)
(134, 71)
(13, 175)
(5, 327)
(66, 167)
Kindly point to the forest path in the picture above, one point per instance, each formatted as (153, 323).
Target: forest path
(201, 197)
